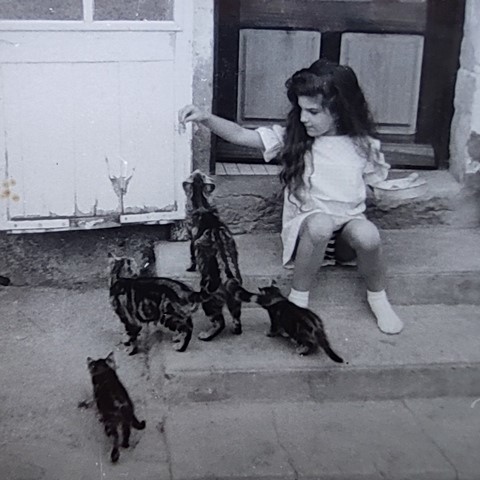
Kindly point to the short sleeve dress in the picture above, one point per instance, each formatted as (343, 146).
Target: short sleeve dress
(335, 179)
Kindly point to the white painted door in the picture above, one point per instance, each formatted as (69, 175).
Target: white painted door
(88, 132)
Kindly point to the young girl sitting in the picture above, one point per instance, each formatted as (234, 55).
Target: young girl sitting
(329, 154)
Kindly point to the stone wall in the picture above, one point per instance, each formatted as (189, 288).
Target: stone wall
(203, 57)
(465, 137)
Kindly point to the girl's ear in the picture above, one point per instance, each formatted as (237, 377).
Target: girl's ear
(110, 360)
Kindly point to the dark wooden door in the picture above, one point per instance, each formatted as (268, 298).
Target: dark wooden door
(404, 53)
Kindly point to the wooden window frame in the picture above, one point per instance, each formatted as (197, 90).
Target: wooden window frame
(89, 24)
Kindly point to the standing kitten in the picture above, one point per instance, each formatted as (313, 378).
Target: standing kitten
(214, 251)
(138, 300)
(113, 402)
(300, 324)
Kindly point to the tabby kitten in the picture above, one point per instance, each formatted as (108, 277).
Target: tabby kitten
(113, 402)
(302, 325)
(140, 299)
(214, 251)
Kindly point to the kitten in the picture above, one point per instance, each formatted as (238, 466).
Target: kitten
(139, 299)
(302, 325)
(113, 402)
(214, 251)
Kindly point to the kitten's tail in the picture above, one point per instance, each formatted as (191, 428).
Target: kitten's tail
(199, 297)
(137, 424)
(325, 344)
(234, 288)
(332, 354)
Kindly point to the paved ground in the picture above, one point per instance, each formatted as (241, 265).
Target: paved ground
(47, 334)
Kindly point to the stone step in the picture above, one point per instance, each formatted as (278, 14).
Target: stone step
(425, 266)
(436, 355)
(413, 439)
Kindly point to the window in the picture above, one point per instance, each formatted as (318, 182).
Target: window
(88, 10)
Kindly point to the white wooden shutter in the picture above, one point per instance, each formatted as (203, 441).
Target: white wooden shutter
(77, 93)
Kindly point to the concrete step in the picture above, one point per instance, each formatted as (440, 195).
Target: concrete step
(436, 355)
(240, 407)
(435, 439)
(425, 266)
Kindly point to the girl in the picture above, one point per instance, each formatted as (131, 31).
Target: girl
(329, 155)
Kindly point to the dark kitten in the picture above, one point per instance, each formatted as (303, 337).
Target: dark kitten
(138, 300)
(302, 325)
(214, 251)
(113, 402)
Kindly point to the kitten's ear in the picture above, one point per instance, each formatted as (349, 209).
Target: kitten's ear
(208, 184)
(89, 363)
(187, 187)
(110, 360)
(208, 188)
(274, 283)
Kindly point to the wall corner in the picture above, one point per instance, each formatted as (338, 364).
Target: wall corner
(203, 61)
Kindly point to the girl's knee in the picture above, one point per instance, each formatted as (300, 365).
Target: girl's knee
(317, 228)
(365, 236)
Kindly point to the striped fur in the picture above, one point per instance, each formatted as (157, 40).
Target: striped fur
(138, 300)
(214, 252)
(113, 402)
(302, 325)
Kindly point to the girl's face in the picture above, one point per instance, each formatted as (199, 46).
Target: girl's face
(317, 120)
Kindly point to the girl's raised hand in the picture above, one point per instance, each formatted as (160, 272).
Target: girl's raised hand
(191, 113)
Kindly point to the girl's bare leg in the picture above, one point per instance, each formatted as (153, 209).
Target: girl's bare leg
(363, 238)
(314, 235)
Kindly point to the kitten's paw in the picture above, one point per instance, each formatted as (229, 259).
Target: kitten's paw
(177, 338)
(134, 351)
(302, 350)
(125, 444)
(85, 404)
(127, 343)
(208, 335)
(115, 455)
(237, 329)
(272, 333)
(179, 347)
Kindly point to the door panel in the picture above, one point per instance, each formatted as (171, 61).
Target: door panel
(388, 68)
(266, 58)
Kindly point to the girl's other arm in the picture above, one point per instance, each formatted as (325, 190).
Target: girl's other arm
(226, 129)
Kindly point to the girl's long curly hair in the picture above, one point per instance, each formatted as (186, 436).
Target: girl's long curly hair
(344, 99)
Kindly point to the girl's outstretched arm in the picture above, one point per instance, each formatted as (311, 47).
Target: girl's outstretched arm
(226, 129)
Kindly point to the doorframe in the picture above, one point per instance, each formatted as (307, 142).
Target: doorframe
(442, 41)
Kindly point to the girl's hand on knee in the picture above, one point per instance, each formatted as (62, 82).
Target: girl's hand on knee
(191, 113)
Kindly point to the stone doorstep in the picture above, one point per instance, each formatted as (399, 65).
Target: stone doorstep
(436, 355)
(425, 266)
(251, 203)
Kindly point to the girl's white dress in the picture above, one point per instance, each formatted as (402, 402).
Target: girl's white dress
(335, 179)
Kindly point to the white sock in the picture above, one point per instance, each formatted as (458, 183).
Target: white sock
(387, 319)
(299, 298)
